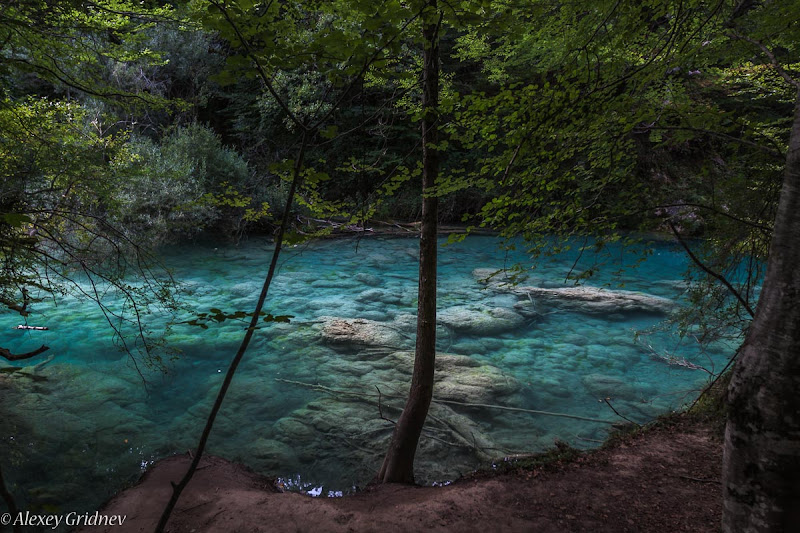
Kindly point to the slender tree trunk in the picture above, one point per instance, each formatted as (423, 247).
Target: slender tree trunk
(761, 465)
(398, 465)
(177, 489)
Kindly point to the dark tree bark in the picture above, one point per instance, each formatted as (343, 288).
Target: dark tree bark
(398, 465)
(761, 469)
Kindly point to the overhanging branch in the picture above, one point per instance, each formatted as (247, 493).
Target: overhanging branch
(710, 272)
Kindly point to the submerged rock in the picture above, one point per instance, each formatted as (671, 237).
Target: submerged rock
(352, 417)
(381, 353)
(271, 455)
(368, 279)
(480, 320)
(360, 331)
(293, 429)
(379, 295)
(589, 300)
(245, 289)
(462, 379)
(605, 386)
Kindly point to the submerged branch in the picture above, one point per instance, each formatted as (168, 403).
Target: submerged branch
(6, 353)
(362, 396)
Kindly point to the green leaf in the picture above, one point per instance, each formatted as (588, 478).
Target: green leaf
(330, 132)
(16, 220)
(278, 318)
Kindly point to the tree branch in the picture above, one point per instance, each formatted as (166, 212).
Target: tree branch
(710, 272)
(766, 229)
(771, 151)
(259, 68)
(772, 59)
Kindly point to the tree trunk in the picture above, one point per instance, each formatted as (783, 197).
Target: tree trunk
(761, 465)
(398, 465)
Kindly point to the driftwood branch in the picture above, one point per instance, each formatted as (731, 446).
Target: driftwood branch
(361, 396)
(5, 352)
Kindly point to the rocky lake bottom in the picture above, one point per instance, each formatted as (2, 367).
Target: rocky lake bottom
(520, 366)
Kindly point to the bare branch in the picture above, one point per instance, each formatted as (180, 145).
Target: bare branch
(608, 403)
(380, 408)
(710, 272)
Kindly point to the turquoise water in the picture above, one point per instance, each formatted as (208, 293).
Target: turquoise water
(80, 427)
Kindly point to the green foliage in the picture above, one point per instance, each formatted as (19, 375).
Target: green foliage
(218, 316)
(52, 156)
(55, 235)
(556, 119)
(179, 187)
(618, 118)
(58, 131)
(76, 45)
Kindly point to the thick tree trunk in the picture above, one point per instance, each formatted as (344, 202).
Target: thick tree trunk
(761, 469)
(398, 465)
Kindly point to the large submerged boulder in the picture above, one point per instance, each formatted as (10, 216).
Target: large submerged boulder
(382, 352)
(590, 300)
(480, 320)
(605, 386)
(462, 379)
(476, 320)
(535, 300)
(360, 331)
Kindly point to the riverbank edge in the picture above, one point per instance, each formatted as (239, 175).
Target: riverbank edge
(628, 484)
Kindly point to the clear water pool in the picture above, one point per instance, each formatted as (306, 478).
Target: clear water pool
(302, 408)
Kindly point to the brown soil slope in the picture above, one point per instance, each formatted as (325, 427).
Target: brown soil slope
(663, 480)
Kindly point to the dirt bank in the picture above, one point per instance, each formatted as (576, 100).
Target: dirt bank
(663, 480)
